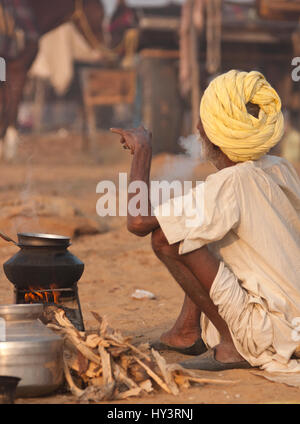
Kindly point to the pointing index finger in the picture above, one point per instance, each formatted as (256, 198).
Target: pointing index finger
(117, 131)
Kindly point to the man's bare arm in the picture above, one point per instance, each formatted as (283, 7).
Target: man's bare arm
(139, 142)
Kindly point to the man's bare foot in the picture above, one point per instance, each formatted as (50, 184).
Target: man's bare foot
(180, 338)
(226, 352)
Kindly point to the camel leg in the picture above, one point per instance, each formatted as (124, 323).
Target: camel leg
(16, 77)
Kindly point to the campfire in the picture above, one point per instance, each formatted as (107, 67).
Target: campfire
(44, 271)
(42, 295)
(65, 299)
(103, 365)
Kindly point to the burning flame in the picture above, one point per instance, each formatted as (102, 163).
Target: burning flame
(38, 295)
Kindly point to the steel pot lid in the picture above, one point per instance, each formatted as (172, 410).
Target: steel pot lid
(21, 312)
(40, 239)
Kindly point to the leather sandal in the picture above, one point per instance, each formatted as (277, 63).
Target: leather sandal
(208, 362)
(195, 349)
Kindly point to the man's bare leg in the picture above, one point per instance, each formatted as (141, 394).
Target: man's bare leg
(186, 329)
(195, 272)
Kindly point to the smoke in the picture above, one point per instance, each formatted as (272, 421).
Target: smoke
(181, 167)
(27, 218)
(192, 147)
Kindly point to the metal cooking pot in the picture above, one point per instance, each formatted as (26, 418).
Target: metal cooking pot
(42, 261)
(31, 351)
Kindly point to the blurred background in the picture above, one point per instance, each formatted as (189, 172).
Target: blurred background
(119, 63)
(75, 68)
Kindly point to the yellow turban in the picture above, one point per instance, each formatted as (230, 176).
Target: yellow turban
(227, 123)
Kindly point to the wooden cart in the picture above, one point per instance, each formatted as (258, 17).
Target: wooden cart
(279, 9)
(105, 87)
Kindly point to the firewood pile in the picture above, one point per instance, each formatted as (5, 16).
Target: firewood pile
(102, 365)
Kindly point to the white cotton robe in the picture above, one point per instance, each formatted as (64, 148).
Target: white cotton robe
(249, 216)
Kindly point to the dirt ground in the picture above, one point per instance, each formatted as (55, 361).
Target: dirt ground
(116, 262)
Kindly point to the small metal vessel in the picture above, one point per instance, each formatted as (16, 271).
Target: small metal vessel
(30, 351)
(8, 387)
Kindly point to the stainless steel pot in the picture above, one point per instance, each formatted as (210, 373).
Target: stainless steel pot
(30, 351)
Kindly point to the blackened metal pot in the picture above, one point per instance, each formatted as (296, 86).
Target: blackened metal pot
(43, 262)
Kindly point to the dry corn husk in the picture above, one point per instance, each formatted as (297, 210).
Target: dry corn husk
(111, 368)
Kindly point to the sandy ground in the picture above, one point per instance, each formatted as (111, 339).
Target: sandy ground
(117, 263)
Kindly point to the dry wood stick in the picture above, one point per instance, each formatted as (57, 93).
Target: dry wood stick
(121, 376)
(74, 389)
(161, 362)
(106, 365)
(135, 349)
(132, 392)
(154, 376)
(79, 344)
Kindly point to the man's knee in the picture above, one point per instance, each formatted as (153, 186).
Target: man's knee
(160, 244)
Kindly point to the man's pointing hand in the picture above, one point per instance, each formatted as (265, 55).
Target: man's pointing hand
(134, 138)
